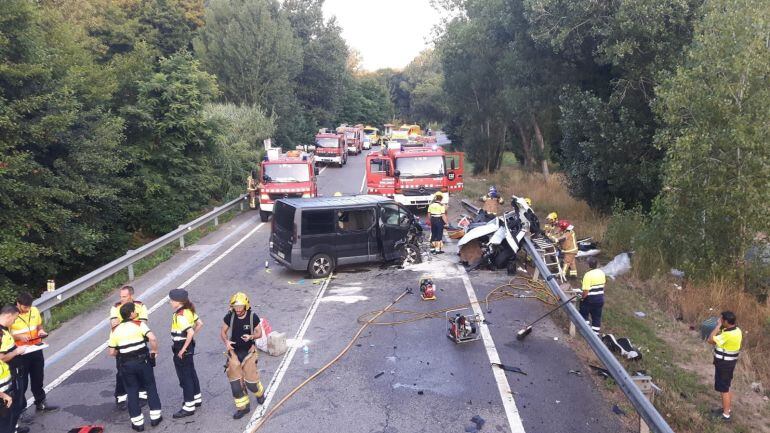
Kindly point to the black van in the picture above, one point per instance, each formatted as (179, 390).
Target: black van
(320, 233)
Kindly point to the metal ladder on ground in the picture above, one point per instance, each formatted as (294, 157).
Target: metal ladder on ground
(550, 256)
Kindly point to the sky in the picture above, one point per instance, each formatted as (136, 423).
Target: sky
(387, 33)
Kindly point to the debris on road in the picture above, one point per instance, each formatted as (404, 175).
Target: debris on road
(576, 372)
(603, 372)
(479, 421)
(618, 410)
(510, 368)
(377, 376)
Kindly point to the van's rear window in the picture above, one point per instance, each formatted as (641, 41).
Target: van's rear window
(283, 215)
(317, 222)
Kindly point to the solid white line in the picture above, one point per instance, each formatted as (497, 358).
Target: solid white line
(320, 172)
(363, 184)
(275, 381)
(88, 358)
(511, 412)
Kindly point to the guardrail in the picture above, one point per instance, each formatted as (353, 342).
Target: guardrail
(53, 298)
(643, 406)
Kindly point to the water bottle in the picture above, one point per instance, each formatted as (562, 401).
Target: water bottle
(305, 355)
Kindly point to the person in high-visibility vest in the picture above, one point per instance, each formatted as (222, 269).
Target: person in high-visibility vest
(569, 248)
(252, 186)
(6, 386)
(438, 219)
(126, 294)
(128, 343)
(239, 331)
(185, 323)
(592, 300)
(10, 354)
(551, 224)
(27, 330)
(727, 338)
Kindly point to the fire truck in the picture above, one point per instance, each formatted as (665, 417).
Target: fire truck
(411, 175)
(354, 137)
(285, 175)
(330, 148)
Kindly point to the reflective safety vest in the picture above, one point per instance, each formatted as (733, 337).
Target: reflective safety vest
(7, 343)
(436, 209)
(5, 377)
(728, 344)
(139, 308)
(594, 281)
(28, 325)
(129, 338)
(182, 320)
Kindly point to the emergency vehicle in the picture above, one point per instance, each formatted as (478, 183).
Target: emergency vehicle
(286, 175)
(330, 148)
(373, 134)
(354, 137)
(412, 175)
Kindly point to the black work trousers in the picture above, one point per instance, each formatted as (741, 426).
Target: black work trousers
(592, 307)
(120, 389)
(33, 365)
(188, 377)
(8, 418)
(135, 373)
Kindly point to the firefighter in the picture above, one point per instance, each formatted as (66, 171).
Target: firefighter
(185, 323)
(252, 186)
(492, 201)
(10, 354)
(551, 224)
(438, 219)
(592, 298)
(726, 339)
(568, 244)
(128, 344)
(126, 296)
(239, 331)
(27, 330)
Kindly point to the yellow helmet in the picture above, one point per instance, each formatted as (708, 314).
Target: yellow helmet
(239, 298)
(528, 200)
(552, 216)
(438, 196)
(338, 194)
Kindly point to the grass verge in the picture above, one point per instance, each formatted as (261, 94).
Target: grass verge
(95, 295)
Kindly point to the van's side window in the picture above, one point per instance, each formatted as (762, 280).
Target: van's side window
(390, 214)
(355, 220)
(317, 222)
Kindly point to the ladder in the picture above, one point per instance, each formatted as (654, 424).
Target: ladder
(550, 256)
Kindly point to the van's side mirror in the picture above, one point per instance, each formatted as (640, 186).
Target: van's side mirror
(397, 173)
(452, 164)
(265, 178)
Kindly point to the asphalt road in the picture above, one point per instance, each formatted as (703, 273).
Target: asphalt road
(403, 378)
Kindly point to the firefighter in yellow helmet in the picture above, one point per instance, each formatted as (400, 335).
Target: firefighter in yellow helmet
(551, 224)
(239, 331)
(569, 248)
(252, 186)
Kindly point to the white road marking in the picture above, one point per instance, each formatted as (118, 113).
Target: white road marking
(320, 172)
(511, 412)
(275, 381)
(363, 184)
(88, 358)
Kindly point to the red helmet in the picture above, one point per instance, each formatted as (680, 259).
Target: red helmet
(563, 225)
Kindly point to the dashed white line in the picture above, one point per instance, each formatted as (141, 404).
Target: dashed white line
(363, 185)
(511, 412)
(275, 381)
(88, 358)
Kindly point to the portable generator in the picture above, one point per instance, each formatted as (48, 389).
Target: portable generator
(462, 328)
(427, 289)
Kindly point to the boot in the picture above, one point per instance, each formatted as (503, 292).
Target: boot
(155, 422)
(137, 427)
(42, 406)
(261, 400)
(239, 413)
(182, 413)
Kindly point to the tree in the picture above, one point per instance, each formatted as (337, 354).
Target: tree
(252, 49)
(717, 168)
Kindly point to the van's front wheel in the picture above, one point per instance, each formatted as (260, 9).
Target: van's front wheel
(410, 253)
(320, 266)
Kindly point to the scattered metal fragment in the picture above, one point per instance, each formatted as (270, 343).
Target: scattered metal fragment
(618, 410)
(376, 376)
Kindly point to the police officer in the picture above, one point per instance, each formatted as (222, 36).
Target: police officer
(128, 343)
(592, 300)
(10, 355)
(185, 323)
(27, 330)
(239, 330)
(438, 219)
(126, 296)
(727, 338)
(6, 384)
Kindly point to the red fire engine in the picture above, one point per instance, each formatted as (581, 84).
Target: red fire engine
(412, 175)
(288, 175)
(354, 137)
(330, 148)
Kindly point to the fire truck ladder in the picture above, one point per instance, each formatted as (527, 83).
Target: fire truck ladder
(550, 256)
